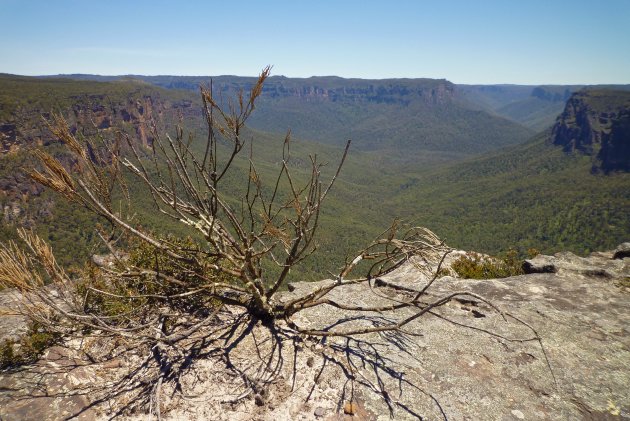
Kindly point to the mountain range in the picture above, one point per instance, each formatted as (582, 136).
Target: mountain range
(488, 167)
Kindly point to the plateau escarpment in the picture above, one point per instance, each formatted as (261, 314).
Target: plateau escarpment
(327, 88)
(415, 120)
(388, 91)
(597, 123)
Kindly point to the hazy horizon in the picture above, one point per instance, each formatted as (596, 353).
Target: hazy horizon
(64, 75)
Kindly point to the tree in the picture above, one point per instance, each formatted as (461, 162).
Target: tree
(160, 291)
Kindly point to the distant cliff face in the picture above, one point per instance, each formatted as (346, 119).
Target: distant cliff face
(405, 116)
(90, 113)
(323, 88)
(438, 92)
(136, 113)
(387, 91)
(22, 128)
(597, 123)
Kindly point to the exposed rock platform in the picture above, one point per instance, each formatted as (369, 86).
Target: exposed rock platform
(466, 361)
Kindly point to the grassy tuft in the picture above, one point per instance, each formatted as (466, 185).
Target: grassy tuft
(477, 266)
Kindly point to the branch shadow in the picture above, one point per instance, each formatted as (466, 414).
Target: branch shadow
(365, 361)
(257, 356)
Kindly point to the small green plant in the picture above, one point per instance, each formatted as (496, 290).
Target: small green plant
(8, 357)
(119, 297)
(624, 283)
(29, 348)
(477, 266)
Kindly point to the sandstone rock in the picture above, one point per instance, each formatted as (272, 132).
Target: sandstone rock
(595, 265)
(622, 251)
(319, 412)
(445, 365)
(518, 414)
(258, 399)
(12, 325)
(108, 260)
(540, 264)
(578, 311)
(596, 123)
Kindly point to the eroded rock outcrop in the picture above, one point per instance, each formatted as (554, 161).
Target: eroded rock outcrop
(464, 361)
(133, 113)
(597, 123)
(91, 113)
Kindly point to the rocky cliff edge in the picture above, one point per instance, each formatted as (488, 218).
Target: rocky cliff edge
(465, 361)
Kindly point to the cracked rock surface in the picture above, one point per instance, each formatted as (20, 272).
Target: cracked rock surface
(464, 361)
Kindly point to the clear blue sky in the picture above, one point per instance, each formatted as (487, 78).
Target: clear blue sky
(467, 41)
